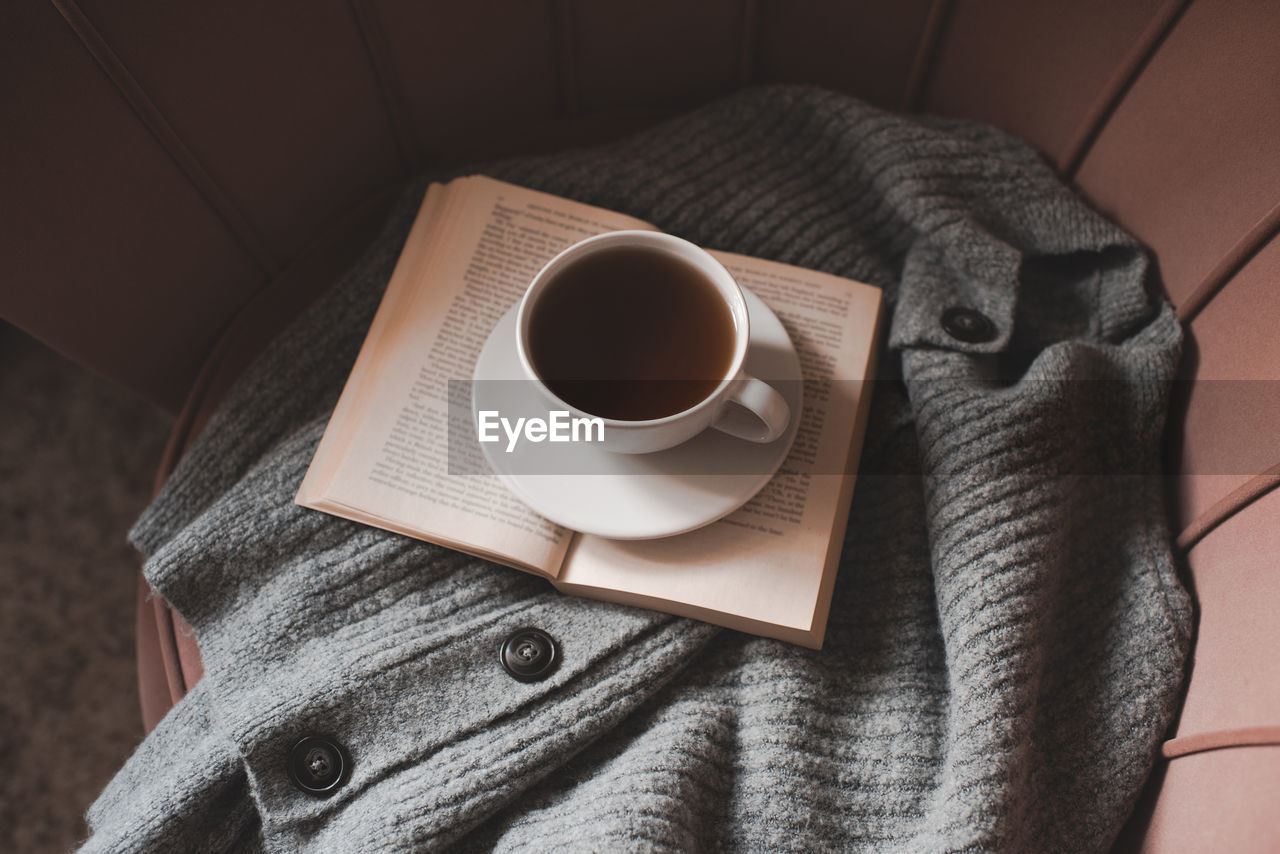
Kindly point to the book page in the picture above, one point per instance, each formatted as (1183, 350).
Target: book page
(769, 567)
(384, 458)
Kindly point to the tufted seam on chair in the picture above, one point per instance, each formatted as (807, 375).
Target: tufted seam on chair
(390, 86)
(1254, 736)
(1236, 257)
(1227, 506)
(1126, 74)
(931, 38)
(242, 230)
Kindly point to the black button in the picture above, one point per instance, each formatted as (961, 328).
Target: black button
(967, 325)
(317, 766)
(530, 655)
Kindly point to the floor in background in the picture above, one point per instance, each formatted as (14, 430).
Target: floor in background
(77, 457)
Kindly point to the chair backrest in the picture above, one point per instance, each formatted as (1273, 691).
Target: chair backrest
(163, 164)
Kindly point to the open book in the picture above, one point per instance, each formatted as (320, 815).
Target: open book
(768, 568)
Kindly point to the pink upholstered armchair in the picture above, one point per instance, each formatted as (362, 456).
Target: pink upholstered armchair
(180, 180)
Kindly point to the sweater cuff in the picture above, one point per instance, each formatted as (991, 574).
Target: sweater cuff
(184, 788)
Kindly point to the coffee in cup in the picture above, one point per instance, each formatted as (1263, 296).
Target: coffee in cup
(649, 333)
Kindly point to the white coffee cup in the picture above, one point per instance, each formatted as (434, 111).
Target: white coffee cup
(739, 405)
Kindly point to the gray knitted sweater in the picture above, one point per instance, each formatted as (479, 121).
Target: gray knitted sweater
(1007, 633)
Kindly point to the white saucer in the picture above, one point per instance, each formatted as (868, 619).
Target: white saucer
(636, 496)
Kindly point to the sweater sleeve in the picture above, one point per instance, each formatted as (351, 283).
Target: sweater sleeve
(184, 789)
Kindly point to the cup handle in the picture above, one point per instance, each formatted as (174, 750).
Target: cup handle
(755, 411)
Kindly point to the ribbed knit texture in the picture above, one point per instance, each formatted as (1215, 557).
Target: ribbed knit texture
(1007, 633)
